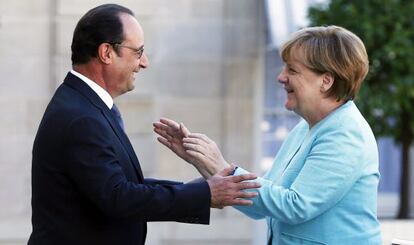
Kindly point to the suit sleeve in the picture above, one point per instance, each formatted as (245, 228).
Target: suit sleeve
(333, 165)
(150, 181)
(93, 166)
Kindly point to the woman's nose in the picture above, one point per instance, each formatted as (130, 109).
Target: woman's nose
(281, 78)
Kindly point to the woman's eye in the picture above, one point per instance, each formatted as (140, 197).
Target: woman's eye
(293, 71)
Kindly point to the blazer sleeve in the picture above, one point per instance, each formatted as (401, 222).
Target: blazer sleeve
(151, 181)
(91, 163)
(333, 165)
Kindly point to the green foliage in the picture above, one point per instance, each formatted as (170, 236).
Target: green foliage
(387, 29)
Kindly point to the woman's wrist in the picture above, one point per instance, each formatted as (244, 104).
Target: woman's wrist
(219, 167)
(208, 170)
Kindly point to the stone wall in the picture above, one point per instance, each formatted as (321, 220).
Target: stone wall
(205, 70)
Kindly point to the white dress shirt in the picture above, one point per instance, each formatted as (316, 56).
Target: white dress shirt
(101, 92)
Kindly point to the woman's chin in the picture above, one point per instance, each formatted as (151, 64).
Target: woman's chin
(289, 106)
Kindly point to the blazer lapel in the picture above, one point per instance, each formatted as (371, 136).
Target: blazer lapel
(76, 83)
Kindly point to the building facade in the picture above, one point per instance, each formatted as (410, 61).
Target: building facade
(213, 66)
(205, 70)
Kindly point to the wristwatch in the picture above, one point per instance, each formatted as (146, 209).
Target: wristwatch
(234, 170)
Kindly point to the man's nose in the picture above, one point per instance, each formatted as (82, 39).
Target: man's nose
(144, 61)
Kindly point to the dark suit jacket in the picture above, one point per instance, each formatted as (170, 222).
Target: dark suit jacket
(87, 183)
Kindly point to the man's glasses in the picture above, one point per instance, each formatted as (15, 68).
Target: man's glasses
(137, 51)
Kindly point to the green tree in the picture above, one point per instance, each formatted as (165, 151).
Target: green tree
(387, 95)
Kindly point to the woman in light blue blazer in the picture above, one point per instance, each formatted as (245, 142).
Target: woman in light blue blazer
(322, 187)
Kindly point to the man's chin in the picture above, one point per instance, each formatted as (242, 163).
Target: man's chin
(131, 87)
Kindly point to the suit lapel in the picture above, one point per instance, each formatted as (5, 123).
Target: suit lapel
(125, 142)
(77, 84)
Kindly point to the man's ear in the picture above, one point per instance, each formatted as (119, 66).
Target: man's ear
(327, 82)
(105, 53)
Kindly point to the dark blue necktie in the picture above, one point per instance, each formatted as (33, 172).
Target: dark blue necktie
(118, 117)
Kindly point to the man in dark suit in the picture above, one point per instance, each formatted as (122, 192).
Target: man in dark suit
(87, 183)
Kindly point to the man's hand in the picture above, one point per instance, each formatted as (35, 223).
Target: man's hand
(227, 190)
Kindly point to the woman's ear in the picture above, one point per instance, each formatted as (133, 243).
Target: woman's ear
(327, 82)
(105, 53)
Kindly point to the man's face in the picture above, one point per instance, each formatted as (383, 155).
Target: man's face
(128, 62)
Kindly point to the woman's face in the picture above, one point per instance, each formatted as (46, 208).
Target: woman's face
(303, 88)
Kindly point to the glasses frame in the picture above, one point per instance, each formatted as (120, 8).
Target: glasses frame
(138, 51)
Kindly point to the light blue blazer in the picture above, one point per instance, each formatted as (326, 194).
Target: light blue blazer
(322, 187)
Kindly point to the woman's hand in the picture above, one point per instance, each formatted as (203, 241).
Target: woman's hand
(171, 135)
(204, 153)
(199, 151)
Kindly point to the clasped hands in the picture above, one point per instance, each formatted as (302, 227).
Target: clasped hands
(204, 154)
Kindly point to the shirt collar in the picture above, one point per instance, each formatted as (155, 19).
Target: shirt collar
(101, 92)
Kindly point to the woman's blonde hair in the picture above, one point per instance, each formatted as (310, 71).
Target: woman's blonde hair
(333, 50)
